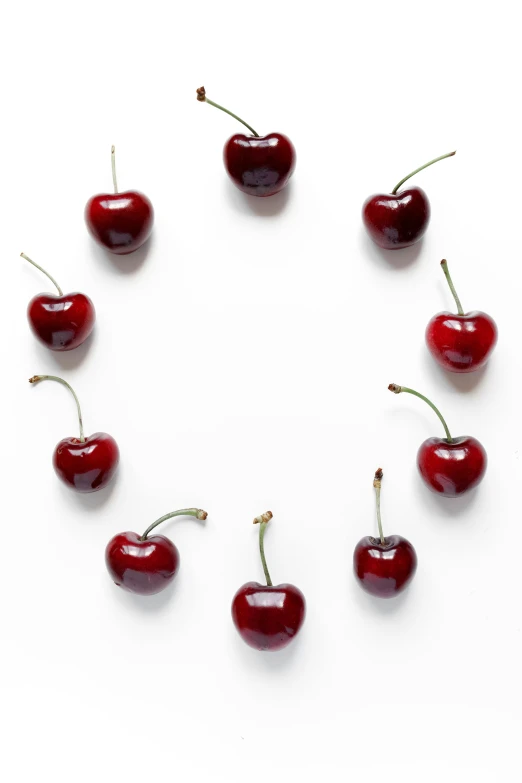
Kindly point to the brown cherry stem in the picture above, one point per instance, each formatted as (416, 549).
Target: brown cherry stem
(113, 166)
(38, 378)
(444, 265)
(202, 96)
(377, 485)
(53, 281)
(398, 389)
(435, 160)
(263, 521)
(185, 512)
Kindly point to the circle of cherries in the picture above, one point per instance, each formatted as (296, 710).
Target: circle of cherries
(266, 616)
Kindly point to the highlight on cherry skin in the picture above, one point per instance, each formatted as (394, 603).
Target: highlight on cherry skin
(400, 218)
(84, 463)
(145, 564)
(120, 221)
(461, 342)
(60, 321)
(257, 165)
(383, 566)
(449, 466)
(268, 617)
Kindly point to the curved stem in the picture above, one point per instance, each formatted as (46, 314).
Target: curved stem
(185, 512)
(444, 265)
(398, 389)
(263, 521)
(377, 484)
(38, 378)
(435, 160)
(113, 166)
(203, 97)
(53, 281)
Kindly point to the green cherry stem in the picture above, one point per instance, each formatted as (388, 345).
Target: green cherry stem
(38, 378)
(444, 265)
(398, 389)
(202, 96)
(263, 521)
(183, 512)
(113, 166)
(53, 281)
(435, 160)
(377, 485)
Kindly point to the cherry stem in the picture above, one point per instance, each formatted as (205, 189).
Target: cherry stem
(263, 521)
(113, 166)
(377, 484)
(445, 269)
(38, 378)
(203, 97)
(53, 281)
(398, 389)
(185, 512)
(435, 160)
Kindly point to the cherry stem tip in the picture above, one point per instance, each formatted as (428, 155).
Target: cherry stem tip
(264, 518)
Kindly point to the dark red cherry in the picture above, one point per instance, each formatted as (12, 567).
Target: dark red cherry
(145, 564)
(384, 566)
(448, 466)
(461, 342)
(268, 617)
(257, 165)
(400, 218)
(121, 222)
(86, 464)
(61, 322)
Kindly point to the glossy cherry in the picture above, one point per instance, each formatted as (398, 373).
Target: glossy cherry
(257, 165)
(399, 219)
(145, 564)
(268, 617)
(384, 566)
(61, 322)
(121, 222)
(448, 466)
(462, 342)
(86, 464)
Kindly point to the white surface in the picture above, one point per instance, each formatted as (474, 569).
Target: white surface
(244, 366)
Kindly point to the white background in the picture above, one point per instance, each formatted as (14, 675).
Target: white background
(241, 362)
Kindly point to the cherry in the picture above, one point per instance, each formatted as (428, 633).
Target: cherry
(257, 165)
(60, 322)
(121, 222)
(84, 464)
(399, 219)
(268, 617)
(145, 565)
(463, 342)
(449, 466)
(384, 566)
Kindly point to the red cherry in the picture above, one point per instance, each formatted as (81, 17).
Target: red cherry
(121, 222)
(398, 220)
(463, 342)
(144, 565)
(60, 322)
(268, 617)
(86, 464)
(448, 466)
(257, 165)
(384, 566)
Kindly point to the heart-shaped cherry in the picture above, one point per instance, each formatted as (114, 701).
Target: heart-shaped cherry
(268, 617)
(84, 464)
(463, 342)
(383, 566)
(394, 220)
(449, 466)
(145, 565)
(60, 322)
(257, 165)
(121, 222)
